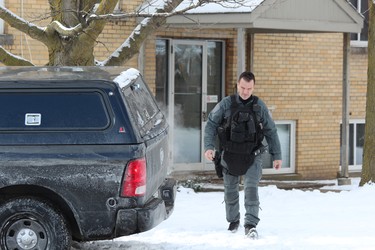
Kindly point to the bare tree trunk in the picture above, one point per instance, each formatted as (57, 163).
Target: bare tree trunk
(368, 166)
(76, 50)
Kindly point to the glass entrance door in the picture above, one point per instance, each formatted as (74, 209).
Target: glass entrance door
(196, 86)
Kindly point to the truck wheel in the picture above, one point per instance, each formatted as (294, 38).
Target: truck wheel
(28, 223)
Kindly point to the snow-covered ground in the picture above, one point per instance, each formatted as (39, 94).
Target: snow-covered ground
(291, 219)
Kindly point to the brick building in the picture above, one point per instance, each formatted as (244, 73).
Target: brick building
(294, 48)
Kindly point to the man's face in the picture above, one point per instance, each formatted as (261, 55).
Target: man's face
(245, 89)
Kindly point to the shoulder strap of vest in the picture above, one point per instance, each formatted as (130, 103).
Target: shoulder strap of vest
(234, 105)
(255, 99)
(233, 101)
(255, 107)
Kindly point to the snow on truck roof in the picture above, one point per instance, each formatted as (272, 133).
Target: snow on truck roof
(120, 75)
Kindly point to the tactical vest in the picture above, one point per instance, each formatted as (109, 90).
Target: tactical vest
(240, 136)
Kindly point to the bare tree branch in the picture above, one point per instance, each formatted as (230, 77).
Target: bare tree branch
(96, 27)
(133, 43)
(64, 31)
(26, 27)
(10, 59)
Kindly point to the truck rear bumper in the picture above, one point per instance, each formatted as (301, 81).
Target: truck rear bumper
(130, 221)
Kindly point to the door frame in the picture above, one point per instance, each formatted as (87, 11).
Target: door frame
(203, 165)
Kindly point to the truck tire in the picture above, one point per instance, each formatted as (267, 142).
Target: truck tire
(30, 223)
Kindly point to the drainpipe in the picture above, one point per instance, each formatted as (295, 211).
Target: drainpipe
(344, 175)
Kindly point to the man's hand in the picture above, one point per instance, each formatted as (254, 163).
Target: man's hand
(209, 154)
(277, 164)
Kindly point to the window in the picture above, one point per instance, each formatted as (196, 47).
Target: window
(356, 144)
(360, 39)
(142, 106)
(286, 131)
(49, 110)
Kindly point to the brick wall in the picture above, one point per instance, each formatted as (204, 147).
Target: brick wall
(301, 76)
(34, 11)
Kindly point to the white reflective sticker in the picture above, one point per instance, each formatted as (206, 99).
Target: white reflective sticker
(33, 119)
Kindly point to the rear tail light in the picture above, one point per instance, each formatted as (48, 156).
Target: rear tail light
(134, 181)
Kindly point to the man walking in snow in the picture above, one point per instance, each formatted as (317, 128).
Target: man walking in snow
(241, 121)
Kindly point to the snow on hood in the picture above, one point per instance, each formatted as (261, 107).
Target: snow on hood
(126, 77)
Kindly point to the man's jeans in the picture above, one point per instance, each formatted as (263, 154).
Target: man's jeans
(231, 194)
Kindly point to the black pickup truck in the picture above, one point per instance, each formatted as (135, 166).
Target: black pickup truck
(83, 156)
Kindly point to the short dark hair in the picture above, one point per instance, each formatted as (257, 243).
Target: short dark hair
(247, 76)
